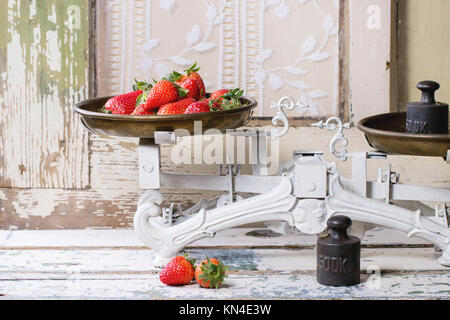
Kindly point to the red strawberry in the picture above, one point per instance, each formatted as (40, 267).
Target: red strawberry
(210, 273)
(191, 73)
(193, 86)
(225, 99)
(124, 103)
(196, 76)
(141, 111)
(218, 94)
(196, 107)
(163, 92)
(175, 107)
(216, 98)
(178, 271)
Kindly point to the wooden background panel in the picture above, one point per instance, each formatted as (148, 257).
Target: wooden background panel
(423, 48)
(44, 71)
(80, 209)
(114, 162)
(372, 27)
(66, 209)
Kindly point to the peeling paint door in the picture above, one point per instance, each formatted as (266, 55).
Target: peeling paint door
(43, 72)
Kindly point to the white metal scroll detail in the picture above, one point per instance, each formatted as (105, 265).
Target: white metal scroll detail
(334, 123)
(285, 103)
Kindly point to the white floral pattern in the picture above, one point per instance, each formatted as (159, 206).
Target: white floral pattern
(197, 40)
(233, 32)
(167, 4)
(310, 50)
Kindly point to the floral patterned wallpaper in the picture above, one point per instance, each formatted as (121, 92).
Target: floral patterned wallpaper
(269, 48)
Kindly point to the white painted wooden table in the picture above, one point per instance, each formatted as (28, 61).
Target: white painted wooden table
(113, 264)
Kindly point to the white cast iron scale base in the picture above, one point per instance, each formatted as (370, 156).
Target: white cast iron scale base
(306, 192)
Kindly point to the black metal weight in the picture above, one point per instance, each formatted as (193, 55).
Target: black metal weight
(338, 255)
(427, 116)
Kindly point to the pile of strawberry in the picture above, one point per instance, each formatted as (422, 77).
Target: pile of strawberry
(174, 94)
(210, 273)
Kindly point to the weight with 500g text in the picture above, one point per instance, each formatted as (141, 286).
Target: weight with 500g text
(338, 255)
(427, 116)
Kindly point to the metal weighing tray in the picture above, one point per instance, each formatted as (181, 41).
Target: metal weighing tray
(386, 132)
(144, 126)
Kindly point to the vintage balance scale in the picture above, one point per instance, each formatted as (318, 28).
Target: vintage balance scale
(306, 192)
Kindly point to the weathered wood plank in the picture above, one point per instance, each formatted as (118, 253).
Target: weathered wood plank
(114, 162)
(77, 209)
(59, 208)
(276, 260)
(234, 237)
(372, 50)
(44, 71)
(254, 286)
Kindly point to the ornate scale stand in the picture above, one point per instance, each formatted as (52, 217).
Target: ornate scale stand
(306, 192)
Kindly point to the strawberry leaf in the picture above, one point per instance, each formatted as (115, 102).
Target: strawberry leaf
(189, 259)
(173, 77)
(104, 110)
(231, 99)
(142, 85)
(141, 98)
(213, 105)
(214, 273)
(182, 92)
(193, 68)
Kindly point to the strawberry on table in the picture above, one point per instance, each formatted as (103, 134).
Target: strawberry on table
(197, 107)
(210, 273)
(178, 271)
(123, 104)
(163, 92)
(175, 107)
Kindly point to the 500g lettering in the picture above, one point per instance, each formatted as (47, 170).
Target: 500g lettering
(333, 264)
(246, 309)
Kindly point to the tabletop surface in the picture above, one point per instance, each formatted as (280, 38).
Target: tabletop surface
(113, 264)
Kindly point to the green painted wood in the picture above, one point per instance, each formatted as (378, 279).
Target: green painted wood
(44, 70)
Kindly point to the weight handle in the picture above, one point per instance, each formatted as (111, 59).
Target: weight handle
(428, 88)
